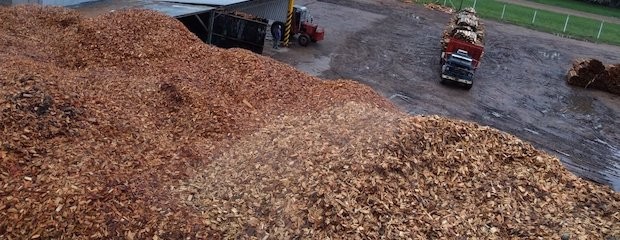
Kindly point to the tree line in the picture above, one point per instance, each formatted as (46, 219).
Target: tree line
(609, 3)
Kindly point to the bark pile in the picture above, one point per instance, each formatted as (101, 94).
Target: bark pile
(592, 73)
(128, 126)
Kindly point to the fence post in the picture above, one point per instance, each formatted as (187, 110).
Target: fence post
(503, 11)
(534, 18)
(475, 3)
(566, 23)
(445, 2)
(600, 30)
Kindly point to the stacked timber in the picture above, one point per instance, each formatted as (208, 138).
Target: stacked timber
(592, 73)
(466, 26)
(467, 19)
(469, 36)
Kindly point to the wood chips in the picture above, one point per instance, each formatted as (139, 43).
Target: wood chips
(466, 26)
(128, 126)
(359, 172)
(591, 73)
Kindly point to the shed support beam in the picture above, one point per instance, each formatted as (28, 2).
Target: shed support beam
(289, 19)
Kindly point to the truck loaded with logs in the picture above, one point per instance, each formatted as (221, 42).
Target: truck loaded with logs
(462, 48)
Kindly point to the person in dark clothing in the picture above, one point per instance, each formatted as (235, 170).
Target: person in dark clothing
(277, 35)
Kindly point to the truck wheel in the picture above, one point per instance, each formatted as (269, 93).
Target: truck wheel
(274, 25)
(468, 86)
(303, 40)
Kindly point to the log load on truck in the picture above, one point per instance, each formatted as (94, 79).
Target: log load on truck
(462, 48)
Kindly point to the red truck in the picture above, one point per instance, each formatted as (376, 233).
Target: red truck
(459, 60)
(462, 48)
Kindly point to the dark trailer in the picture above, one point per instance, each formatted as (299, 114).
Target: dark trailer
(228, 29)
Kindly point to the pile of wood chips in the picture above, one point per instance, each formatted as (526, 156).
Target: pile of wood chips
(437, 7)
(128, 126)
(356, 171)
(591, 73)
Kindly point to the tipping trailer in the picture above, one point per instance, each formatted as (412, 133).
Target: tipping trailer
(462, 49)
(229, 29)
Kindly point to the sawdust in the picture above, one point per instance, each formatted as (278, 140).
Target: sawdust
(100, 116)
(592, 73)
(117, 127)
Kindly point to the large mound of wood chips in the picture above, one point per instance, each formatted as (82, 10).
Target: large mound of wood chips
(359, 172)
(127, 126)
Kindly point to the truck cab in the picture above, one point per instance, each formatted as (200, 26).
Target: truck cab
(459, 67)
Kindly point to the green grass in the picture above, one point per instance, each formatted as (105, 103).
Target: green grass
(578, 27)
(582, 6)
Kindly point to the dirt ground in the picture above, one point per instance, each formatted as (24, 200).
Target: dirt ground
(520, 87)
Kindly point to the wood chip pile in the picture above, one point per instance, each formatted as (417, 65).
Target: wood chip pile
(362, 173)
(466, 26)
(128, 126)
(101, 117)
(591, 73)
(437, 7)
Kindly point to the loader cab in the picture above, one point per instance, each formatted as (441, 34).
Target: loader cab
(302, 19)
(301, 15)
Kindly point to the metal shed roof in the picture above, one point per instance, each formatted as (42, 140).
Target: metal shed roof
(169, 8)
(270, 9)
(176, 9)
(275, 10)
(209, 2)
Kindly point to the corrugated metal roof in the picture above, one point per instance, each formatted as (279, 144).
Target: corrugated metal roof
(270, 9)
(171, 9)
(275, 10)
(209, 2)
(176, 9)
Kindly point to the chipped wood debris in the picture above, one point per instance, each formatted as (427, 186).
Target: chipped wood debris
(128, 126)
(356, 171)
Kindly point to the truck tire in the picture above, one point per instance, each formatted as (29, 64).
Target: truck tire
(273, 29)
(303, 40)
(468, 86)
